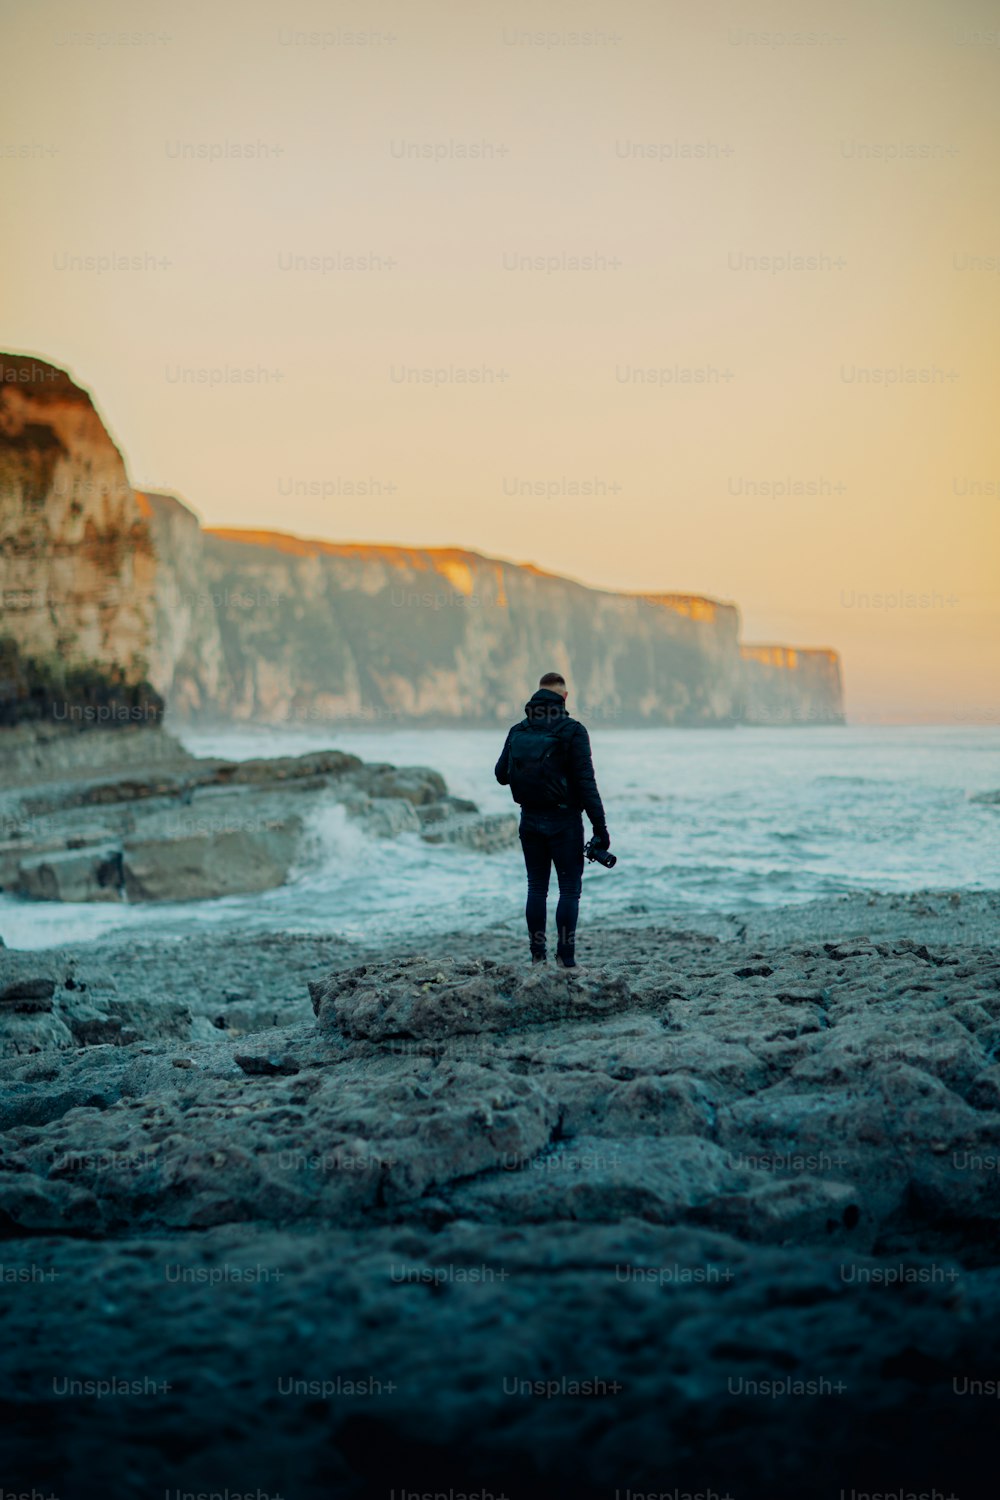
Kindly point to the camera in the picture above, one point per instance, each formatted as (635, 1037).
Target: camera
(594, 850)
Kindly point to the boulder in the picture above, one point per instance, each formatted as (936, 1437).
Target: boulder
(89, 874)
(46, 751)
(417, 784)
(204, 863)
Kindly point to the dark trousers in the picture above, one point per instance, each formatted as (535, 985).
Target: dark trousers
(547, 839)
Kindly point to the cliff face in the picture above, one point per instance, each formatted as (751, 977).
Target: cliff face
(314, 629)
(186, 653)
(788, 685)
(264, 626)
(76, 555)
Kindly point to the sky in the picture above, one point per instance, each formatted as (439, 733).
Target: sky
(699, 298)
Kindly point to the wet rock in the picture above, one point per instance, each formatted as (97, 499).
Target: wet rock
(447, 807)
(383, 817)
(601, 1179)
(213, 1149)
(201, 829)
(208, 863)
(89, 874)
(486, 833)
(674, 1105)
(416, 784)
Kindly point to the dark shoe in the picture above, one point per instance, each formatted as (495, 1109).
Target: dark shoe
(539, 958)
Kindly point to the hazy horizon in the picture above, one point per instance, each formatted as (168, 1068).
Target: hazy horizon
(699, 303)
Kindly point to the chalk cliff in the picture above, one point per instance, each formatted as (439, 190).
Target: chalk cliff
(76, 555)
(317, 629)
(270, 627)
(186, 652)
(790, 685)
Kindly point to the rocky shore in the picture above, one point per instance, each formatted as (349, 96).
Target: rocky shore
(128, 814)
(302, 1217)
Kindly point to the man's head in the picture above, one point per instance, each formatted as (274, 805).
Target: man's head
(555, 682)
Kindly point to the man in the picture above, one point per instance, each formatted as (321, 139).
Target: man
(546, 762)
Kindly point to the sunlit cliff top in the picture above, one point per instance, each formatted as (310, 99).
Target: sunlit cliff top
(786, 656)
(695, 606)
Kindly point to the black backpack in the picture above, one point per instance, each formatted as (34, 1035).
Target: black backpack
(537, 761)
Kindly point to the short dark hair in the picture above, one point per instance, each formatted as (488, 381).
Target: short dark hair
(552, 680)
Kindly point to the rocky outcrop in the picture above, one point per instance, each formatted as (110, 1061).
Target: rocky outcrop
(152, 823)
(44, 752)
(51, 1004)
(715, 1211)
(265, 626)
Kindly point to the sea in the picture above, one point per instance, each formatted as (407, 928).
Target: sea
(702, 821)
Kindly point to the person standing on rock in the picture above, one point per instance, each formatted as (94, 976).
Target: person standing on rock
(547, 764)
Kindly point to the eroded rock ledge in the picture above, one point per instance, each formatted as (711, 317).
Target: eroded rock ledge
(145, 821)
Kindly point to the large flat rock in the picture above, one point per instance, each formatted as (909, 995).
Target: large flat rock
(427, 998)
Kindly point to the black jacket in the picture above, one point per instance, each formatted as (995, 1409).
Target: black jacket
(546, 706)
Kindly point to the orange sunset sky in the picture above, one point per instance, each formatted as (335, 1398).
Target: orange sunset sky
(698, 297)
